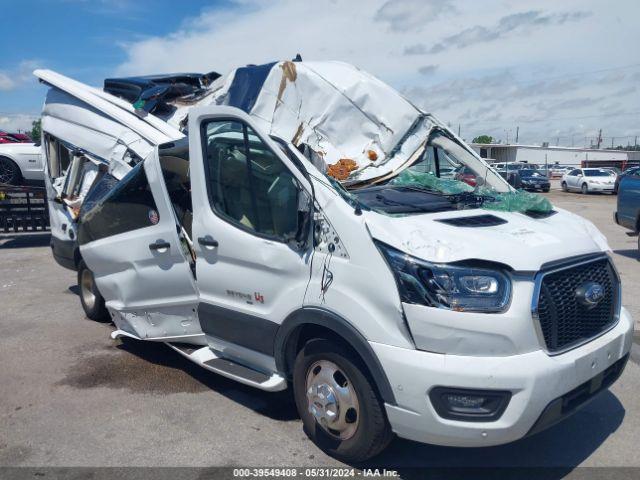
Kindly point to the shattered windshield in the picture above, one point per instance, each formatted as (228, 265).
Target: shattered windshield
(447, 177)
(446, 159)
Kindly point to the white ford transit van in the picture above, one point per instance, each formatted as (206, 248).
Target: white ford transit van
(199, 212)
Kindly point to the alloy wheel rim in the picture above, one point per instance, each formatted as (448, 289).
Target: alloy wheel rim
(86, 289)
(332, 399)
(7, 171)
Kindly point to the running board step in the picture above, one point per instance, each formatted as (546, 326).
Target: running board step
(205, 357)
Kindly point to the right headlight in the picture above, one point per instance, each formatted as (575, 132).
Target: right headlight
(452, 287)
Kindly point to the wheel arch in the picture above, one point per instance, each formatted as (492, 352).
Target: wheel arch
(314, 322)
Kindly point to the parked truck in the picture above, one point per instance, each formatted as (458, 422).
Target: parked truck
(287, 225)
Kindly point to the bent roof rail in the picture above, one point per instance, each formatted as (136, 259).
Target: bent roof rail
(150, 127)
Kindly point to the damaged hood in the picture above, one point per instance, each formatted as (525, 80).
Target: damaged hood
(522, 243)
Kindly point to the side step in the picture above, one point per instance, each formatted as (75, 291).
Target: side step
(205, 357)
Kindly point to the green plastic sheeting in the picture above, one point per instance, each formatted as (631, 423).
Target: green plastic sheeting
(429, 180)
(514, 201)
(518, 201)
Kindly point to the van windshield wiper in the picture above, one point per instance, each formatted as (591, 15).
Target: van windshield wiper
(467, 198)
(396, 203)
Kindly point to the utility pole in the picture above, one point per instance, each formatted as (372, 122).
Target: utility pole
(458, 130)
(612, 142)
(558, 142)
(517, 134)
(599, 141)
(635, 143)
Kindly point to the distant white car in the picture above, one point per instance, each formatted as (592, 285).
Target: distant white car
(19, 162)
(587, 180)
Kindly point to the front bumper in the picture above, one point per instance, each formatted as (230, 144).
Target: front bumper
(535, 380)
(536, 186)
(601, 188)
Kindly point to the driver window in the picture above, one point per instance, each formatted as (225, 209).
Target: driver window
(248, 185)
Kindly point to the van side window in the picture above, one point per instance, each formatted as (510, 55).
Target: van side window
(247, 183)
(127, 206)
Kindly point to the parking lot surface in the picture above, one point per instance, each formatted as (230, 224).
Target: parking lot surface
(71, 396)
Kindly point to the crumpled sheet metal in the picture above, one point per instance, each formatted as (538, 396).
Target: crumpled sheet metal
(338, 111)
(69, 119)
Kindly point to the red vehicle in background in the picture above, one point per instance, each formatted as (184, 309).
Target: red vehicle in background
(466, 175)
(6, 137)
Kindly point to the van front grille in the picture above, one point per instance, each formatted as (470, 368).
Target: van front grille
(565, 319)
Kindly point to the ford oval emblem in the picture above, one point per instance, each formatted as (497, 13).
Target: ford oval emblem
(589, 294)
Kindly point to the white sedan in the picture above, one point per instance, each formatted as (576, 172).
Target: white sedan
(20, 162)
(587, 180)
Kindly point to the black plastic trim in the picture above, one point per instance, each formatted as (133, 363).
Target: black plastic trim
(502, 397)
(341, 327)
(64, 252)
(248, 331)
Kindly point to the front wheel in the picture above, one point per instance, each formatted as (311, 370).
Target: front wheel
(564, 187)
(340, 409)
(584, 188)
(90, 298)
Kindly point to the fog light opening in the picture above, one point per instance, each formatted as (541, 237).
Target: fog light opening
(469, 405)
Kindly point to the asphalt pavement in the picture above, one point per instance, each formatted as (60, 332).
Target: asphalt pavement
(71, 396)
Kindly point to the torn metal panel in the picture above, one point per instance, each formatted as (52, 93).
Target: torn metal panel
(149, 127)
(338, 111)
(73, 121)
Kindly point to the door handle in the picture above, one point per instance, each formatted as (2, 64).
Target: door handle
(208, 242)
(159, 245)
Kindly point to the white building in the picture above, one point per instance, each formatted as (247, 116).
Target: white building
(585, 157)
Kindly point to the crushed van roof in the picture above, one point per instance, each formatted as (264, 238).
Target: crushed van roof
(339, 114)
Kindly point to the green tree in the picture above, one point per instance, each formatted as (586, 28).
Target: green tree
(36, 130)
(483, 139)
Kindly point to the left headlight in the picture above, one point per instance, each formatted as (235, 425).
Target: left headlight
(452, 287)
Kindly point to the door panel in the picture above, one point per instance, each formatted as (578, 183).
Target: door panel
(249, 277)
(130, 242)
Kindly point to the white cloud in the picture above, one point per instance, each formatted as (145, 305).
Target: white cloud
(498, 63)
(403, 15)
(18, 76)
(17, 122)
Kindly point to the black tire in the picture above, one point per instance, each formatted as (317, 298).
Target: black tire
(90, 298)
(564, 187)
(584, 188)
(10, 173)
(373, 432)
(546, 190)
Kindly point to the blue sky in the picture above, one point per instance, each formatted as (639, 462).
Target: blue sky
(84, 39)
(558, 70)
